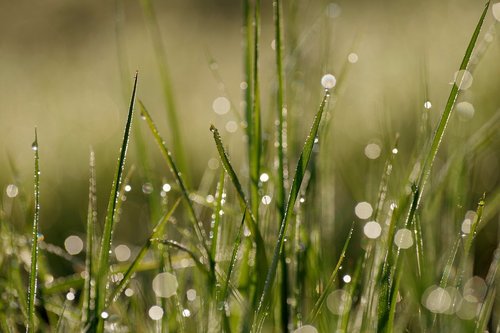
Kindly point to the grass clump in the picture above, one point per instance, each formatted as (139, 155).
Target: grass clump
(251, 248)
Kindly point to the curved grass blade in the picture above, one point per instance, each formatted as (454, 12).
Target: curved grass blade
(183, 248)
(302, 164)
(197, 226)
(133, 266)
(251, 220)
(34, 243)
(319, 303)
(103, 265)
(445, 117)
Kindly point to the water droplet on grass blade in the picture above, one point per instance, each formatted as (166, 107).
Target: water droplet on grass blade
(186, 313)
(346, 278)
(34, 146)
(104, 315)
(328, 81)
(266, 200)
(264, 177)
(427, 105)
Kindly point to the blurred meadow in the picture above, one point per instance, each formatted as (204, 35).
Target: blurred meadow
(67, 68)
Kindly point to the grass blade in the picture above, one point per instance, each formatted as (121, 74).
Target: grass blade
(34, 243)
(331, 280)
(486, 307)
(143, 251)
(304, 158)
(103, 266)
(174, 169)
(89, 259)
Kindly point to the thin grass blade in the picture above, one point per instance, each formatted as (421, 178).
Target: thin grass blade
(103, 266)
(300, 170)
(34, 243)
(142, 253)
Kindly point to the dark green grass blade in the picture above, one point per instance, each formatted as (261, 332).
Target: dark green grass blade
(445, 117)
(252, 223)
(103, 265)
(305, 156)
(174, 169)
(319, 303)
(143, 251)
(88, 294)
(168, 94)
(34, 243)
(487, 306)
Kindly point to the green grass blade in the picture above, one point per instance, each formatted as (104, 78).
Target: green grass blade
(34, 243)
(142, 253)
(103, 266)
(302, 164)
(487, 306)
(251, 220)
(183, 248)
(445, 117)
(321, 299)
(174, 169)
(88, 293)
(217, 218)
(161, 59)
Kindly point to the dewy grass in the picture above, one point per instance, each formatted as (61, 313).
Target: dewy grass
(31, 327)
(267, 262)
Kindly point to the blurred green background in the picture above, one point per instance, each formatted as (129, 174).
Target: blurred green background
(60, 72)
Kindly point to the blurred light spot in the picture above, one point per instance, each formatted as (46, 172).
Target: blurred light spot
(186, 313)
(12, 191)
(438, 300)
(475, 289)
(488, 37)
(264, 177)
(210, 198)
(463, 79)
(155, 312)
(428, 105)
(333, 10)
(352, 58)
(221, 105)
(363, 210)
(496, 11)
(372, 151)
(122, 253)
(165, 285)
(129, 292)
(166, 187)
(191, 295)
(403, 238)
(372, 230)
(466, 224)
(467, 310)
(273, 45)
(346, 278)
(70, 296)
(465, 110)
(104, 315)
(127, 188)
(306, 329)
(147, 188)
(231, 126)
(395, 151)
(73, 245)
(338, 302)
(243, 85)
(213, 163)
(266, 200)
(328, 81)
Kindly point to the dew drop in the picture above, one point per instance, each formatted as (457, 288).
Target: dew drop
(129, 292)
(372, 151)
(166, 187)
(264, 177)
(346, 278)
(155, 312)
(186, 313)
(463, 79)
(73, 245)
(403, 238)
(104, 315)
(427, 105)
(266, 200)
(12, 191)
(372, 230)
(70, 296)
(127, 188)
(165, 285)
(34, 146)
(147, 188)
(328, 81)
(338, 302)
(395, 151)
(363, 210)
